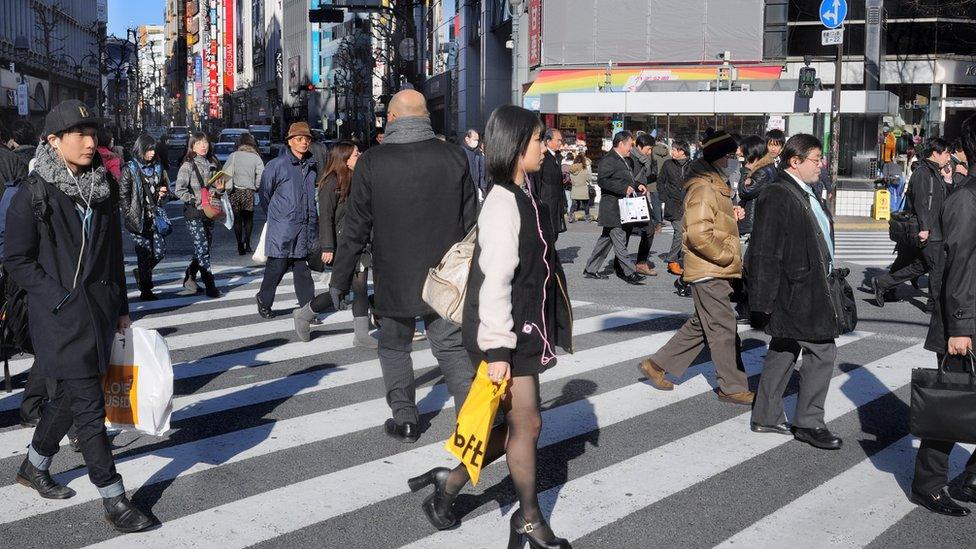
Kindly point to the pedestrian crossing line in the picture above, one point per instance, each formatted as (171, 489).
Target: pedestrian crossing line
(242, 291)
(875, 488)
(158, 322)
(207, 453)
(269, 514)
(600, 496)
(234, 280)
(167, 276)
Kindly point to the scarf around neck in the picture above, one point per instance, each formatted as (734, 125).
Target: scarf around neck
(91, 182)
(410, 129)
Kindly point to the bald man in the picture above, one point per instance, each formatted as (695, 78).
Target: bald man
(412, 198)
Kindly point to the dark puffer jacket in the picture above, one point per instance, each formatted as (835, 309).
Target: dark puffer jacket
(750, 185)
(139, 195)
(671, 187)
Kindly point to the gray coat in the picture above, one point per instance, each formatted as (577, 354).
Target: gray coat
(245, 168)
(188, 184)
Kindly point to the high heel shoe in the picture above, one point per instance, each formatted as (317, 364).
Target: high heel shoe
(539, 535)
(438, 506)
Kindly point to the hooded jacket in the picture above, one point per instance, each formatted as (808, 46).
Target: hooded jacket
(711, 235)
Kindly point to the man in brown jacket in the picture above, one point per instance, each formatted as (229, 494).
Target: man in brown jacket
(712, 259)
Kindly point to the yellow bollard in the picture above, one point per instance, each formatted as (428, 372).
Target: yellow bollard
(882, 205)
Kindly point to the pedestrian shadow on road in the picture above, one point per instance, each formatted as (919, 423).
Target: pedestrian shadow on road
(568, 255)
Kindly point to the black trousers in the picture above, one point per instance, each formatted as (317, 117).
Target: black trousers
(81, 402)
(932, 460)
(35, 393)
(243, 227)
(929, 259)
(274, 271)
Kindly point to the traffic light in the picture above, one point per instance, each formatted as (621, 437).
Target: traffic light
(808, 82)
(310, 87)
(326, 15)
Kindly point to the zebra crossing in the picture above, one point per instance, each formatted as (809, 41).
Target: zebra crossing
(279, 443)
(867, 248)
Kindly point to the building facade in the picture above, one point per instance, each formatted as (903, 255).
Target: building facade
(152, 75)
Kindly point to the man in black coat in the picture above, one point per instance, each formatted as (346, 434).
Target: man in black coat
(66, 252)
(549, 181)
(671, 187)
(927, 191)
(415, 196)
(951, 331)
(790, 254)
(616, 180)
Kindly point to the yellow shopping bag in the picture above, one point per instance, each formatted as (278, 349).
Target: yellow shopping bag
(470, 439)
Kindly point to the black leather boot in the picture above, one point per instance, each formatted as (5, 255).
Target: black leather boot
(438, 506)
(209, 283)
(32, 477)
(539, 535)
(124, 516)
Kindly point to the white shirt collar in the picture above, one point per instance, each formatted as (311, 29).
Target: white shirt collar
(798, 180)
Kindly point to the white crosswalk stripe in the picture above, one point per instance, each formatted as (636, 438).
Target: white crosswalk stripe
(274, 398)
(867, 248)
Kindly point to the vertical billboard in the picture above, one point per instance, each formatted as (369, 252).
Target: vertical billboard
(239, 35)
(535, 33)
(259, 32)
(228, 46)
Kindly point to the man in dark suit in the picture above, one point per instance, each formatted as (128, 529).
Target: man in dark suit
(616, 181)
(549, 181)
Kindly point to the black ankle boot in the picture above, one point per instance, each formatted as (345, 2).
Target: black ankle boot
(32, 477)
(538, 534)
(240, 248)
(438, 506)
(247, 247)
(209, 283)
(124, 516)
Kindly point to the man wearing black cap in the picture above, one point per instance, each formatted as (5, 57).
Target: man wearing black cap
(63, 246)
(712, 260)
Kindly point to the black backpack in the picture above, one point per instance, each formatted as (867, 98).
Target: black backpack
(14, 326)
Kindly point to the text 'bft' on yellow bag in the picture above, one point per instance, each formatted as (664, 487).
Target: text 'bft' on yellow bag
(470, 439)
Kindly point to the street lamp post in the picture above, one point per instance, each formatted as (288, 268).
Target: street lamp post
(516, 6)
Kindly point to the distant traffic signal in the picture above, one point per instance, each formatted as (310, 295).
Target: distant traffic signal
(808, 82)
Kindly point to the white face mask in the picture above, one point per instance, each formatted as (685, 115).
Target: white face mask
(473, 144)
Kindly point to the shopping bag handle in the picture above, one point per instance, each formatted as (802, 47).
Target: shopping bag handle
(972, 367)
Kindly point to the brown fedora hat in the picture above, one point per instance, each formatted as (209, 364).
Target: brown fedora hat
(298, 129)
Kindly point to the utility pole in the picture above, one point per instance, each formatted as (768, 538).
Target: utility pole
(835, 121)
(516, 6)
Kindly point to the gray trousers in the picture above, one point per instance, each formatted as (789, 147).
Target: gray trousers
(675, 255)
(713, 324)
(395, 345)
(815, 374)
(612, 238)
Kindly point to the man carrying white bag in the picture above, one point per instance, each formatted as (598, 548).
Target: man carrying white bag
(138, 384)
(633, 209)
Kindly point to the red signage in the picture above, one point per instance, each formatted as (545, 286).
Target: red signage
(535, 33)
(213, 84)
(229, 46)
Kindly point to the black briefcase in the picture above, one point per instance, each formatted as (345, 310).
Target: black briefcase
(944, 403)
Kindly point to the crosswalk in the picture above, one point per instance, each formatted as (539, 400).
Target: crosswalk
(278, 443)
(867, 248)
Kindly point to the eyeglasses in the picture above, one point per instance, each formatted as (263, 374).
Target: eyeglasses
(812, 159)
(302, 139)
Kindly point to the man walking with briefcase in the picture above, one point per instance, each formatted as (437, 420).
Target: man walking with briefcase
(951, 331)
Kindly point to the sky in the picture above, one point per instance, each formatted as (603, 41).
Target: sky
(123, 14)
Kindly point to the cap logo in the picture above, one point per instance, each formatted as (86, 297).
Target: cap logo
(83, 112)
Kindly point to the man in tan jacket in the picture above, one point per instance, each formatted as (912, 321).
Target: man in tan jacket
(712, 259)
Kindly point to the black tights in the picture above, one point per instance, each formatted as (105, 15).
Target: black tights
(360, 296)
(516, 439)
(243, 226)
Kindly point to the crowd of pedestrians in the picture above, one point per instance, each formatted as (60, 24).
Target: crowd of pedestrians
(764, 238)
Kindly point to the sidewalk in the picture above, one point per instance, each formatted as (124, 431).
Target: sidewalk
(857, 223)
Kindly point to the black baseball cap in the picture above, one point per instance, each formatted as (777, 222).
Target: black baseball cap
(68, 114)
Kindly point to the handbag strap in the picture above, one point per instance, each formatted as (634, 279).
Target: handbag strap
(972, 367)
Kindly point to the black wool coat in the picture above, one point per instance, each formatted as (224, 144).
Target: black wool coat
(550, 191)
(72, 329)
(788, 265)
(417, 200)
(613, 176)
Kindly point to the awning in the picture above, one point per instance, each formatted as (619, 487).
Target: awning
(714, 102)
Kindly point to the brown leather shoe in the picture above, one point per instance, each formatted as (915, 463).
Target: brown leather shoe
(655, 375)
(675, 269)
(646, 270)
(743, 397)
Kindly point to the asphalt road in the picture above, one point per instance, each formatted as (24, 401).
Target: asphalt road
(277, 443)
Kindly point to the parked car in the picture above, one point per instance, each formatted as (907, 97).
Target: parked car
(226, 142)
(263, 136)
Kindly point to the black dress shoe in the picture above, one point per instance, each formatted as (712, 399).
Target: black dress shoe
(439, 506)
(147, 296)
(819, 438)
(779, 429)
(595, 276)
(538, 535)
(407, 432)
(264, 311)
(634, 279)
(939, 502)
(967, 490)
(32, 477)
(124, 516)
(879, 293)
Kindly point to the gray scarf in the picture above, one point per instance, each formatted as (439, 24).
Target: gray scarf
(89, 183)
(411, 129)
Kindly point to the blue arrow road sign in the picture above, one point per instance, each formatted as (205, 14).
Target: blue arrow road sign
(833, 13)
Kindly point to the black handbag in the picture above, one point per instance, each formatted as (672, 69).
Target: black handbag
(944, 403)
(903, 229)
(842, 300)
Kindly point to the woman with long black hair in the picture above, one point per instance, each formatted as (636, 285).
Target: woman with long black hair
(143, 189)
(333, 190)
(516, 312)
(194, 176)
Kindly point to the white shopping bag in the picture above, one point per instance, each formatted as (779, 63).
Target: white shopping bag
(138, 385)
(633, 209)
(259, 256)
